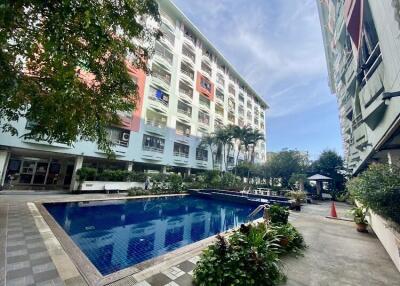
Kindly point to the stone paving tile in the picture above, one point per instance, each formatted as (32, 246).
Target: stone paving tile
(25, 257)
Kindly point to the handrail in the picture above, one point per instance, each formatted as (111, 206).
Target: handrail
(153, 149)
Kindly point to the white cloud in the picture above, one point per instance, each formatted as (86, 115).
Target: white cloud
(276, 45)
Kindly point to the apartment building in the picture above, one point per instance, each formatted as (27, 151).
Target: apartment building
(192, 91)
(362, 46)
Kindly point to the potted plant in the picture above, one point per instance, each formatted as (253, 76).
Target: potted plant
(359, 215)
(298, 197)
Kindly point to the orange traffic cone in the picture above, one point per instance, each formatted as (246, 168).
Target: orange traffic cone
(333, 210)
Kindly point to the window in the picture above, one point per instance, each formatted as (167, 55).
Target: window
(167, 34)
(161, 74)
(231, 117)
(231, 89)
(205, 83)
(185, 69)
(153, 143)
(220, 79)
(181, 150)
(241, 110)
(241, 97)
(206, 68)
(159, 95)
(204, 101)
(119, 136)
(163, 52)
(201, 154)
(156, 119)
(204, 118)
(189, 53)
(218, 124)
(184, 108)
(185, 89)
(219, 94)
(189, 35)
(182, 129)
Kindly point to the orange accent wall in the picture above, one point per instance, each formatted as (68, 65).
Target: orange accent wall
(202, 90)
(133, 123)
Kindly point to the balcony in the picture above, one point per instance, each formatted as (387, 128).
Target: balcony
(163, 55)
(185, 91)
(159, 99)
(187, 73)
(188, 54)
(168, 35)
(184, 109)
(204, 102)
(189, 38)
(206, 68)
(231, 117)
(161, 77)
(181, 154)
(220, 79)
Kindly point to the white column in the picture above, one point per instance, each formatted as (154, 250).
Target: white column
(78, 164)
(164, 169)
(389, 157)
(4, 157)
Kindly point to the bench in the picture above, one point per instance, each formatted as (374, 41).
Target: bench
(110, 188)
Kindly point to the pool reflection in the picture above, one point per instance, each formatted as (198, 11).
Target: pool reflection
(118, 234)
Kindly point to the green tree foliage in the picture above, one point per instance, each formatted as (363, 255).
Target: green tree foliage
(330, 164)
(284, 164)
(378, 188)
(47, 46)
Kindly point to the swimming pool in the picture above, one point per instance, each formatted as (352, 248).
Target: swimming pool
(116, 234)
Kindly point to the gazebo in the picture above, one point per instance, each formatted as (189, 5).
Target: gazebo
(319, 179)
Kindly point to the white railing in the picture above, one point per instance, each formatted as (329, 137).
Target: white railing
(186, 112)
(190, 74)
(182, 132)
(181, 154)
(156, 123)
(186, 92)
(163, 102)
(121, 143)
(153, 149)
(165, 77)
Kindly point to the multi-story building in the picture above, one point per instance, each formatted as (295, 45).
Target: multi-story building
(192, 91)
(362, 45)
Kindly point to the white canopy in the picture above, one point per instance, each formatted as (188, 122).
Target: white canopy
(318, 177)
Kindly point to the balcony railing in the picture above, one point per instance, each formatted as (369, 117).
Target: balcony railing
(188, 73)
(153, 149)
(163, 102)
(186, 92)
(165, 55)
(156, 123)
(165, 77)
(186, 112)
(181, 154)
(182, 132)
(121, 143)
(201, 158)
(189, 54)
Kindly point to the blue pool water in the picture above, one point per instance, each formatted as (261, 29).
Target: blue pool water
(116, 234)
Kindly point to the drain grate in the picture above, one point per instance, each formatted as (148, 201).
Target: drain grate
(127, 281)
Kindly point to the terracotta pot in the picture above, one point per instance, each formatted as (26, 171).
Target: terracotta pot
(361, 227)
(284, 241)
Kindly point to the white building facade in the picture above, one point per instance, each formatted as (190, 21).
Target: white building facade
(362, 45)
(191, 91)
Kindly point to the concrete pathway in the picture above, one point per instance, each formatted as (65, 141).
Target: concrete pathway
(337, 253)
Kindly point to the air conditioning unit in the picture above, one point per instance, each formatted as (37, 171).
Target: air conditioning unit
(125, 136)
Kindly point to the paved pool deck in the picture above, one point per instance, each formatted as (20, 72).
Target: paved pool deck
(336, 255)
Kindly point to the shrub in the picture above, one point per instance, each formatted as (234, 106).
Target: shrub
(86, 173)
(290, 240)
(113, 175)
(230, 181)
(278, 214)
(378, 188)
(175, 183)
(137, 177)
(245, 258)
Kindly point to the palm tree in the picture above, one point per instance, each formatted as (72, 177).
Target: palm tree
(255, 137)
(209, 141)
(223, 138)
(239, 135)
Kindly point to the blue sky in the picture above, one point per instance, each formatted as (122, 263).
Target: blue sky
(277, 47)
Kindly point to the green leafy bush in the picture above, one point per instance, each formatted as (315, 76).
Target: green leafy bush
(290, 240)
(113, 175)
(278, 214)
(85, 174)
(230, 181)
(359, 215)
(378, 188)
(245, 258)
(175, 183)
